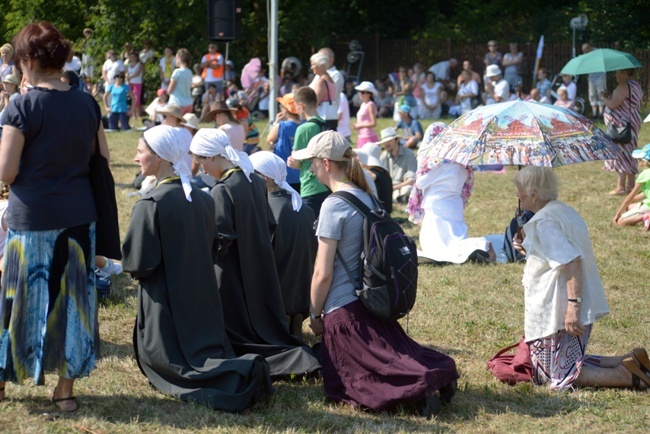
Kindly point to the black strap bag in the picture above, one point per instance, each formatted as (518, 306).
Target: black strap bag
(388, 263)
(107, 228)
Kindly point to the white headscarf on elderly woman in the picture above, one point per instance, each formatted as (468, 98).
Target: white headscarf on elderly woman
(274, 167)
(209, 142)
(168, 143)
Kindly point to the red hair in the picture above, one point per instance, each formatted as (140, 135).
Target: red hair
(43, 43)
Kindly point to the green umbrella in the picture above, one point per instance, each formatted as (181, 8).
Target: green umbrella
(601, 60)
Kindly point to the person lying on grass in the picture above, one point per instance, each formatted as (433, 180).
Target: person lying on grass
(637, 202)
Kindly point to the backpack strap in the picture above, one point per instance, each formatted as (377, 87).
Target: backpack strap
(356, 203)
(323, 125)
(329, 97)
(355, 282)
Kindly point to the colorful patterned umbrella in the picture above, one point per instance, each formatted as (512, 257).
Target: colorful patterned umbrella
(521, 133)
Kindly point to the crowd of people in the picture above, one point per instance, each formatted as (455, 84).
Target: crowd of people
(222, 320)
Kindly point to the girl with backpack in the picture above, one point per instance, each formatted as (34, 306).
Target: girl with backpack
(367, 362)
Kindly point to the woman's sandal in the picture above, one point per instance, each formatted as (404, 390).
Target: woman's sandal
(642, 359)
(638, 375)
(55, 401)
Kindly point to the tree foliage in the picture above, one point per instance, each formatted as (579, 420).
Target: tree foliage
(305, 25)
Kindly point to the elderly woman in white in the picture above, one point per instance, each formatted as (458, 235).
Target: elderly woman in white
(564, 295)
(325, 89)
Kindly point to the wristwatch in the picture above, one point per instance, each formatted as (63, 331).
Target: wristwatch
(312, 316)
(576, 300)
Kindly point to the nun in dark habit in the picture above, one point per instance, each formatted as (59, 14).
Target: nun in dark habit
(180, 339)
(294, 240)
(244, 262)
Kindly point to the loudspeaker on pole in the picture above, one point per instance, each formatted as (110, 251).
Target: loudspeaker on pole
(224, 20)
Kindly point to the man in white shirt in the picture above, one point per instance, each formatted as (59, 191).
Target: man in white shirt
(597, 84)
(442, 71)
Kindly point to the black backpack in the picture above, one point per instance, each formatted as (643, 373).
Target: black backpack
(389, 263)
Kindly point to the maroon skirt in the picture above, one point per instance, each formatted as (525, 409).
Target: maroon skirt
(373, 364)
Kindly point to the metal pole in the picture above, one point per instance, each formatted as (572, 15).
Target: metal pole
(573, 48)
(273, 60)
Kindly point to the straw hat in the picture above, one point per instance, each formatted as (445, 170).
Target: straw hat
(172, 110)
(387, 134)
(217, 107)
(191, 121)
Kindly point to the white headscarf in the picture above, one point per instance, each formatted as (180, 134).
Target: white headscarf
(168, 144)
(274, 167)
(208, 142)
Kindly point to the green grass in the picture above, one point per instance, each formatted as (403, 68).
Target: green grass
(467, 311)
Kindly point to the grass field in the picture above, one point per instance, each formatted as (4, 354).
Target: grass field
(467, 311)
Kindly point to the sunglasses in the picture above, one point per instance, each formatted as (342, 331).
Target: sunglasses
(363, 92)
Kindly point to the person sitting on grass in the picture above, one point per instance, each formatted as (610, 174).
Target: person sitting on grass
(411, 128)
(400, 162)
(637, 203)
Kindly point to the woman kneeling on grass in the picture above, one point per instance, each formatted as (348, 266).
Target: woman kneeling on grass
(637, 203)
(247, 278)
(564, 295)
(180, 339)
(367, 363)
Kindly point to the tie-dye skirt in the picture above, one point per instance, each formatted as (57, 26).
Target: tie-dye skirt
(48, 304)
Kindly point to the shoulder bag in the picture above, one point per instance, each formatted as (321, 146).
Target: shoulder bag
(621, 134)
(107, 228)
(512, 368)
